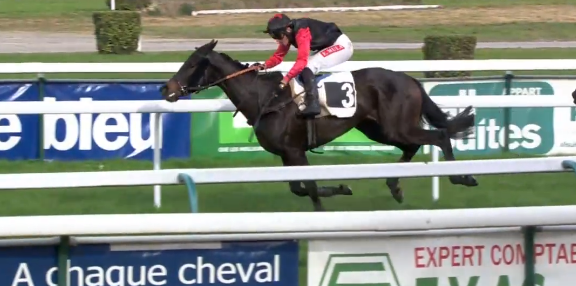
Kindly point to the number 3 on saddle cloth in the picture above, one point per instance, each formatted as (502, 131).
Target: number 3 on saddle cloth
(336, 94)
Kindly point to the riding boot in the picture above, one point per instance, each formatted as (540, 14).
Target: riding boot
(312, 105)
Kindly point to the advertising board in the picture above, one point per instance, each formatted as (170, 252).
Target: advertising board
(208, 263)
(19, 134)
(491, 259)
(110, 135)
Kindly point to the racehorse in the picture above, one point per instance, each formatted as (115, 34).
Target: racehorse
(388, 107)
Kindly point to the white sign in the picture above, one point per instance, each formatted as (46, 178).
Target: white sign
(495, 259)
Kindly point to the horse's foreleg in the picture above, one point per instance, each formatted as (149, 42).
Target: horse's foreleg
(310, 188)
(298, 158)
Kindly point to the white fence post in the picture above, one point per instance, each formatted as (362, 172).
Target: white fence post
(157, 119)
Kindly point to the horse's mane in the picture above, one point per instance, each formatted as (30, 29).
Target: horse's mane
(236, 62)
(269, 75)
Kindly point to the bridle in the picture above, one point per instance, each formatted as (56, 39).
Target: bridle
(185, 90)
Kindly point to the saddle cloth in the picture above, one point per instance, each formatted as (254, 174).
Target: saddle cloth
(336, 94)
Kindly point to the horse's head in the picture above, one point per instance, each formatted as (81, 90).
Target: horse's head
(192, 73)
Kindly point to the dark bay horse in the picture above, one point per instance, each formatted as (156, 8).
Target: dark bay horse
(391, 107)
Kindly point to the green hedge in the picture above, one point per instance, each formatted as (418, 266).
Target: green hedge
(117, 32)
(451, 47)
(130, 5)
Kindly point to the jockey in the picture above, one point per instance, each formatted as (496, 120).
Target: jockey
(329, 45)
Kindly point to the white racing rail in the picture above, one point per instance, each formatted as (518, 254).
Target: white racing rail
(283, 174)
(404, 66)
(292, 222)
(221, 105)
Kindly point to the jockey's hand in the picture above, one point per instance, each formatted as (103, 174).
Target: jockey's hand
(259, 65)
(281, 87)
(283, 83)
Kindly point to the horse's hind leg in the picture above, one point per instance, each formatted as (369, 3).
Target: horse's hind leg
(466, 180)
(373, 131)
(440, 138)
(408, 152)
(310, 188)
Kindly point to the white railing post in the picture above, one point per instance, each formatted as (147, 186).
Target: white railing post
(435, 179)
(157, 133)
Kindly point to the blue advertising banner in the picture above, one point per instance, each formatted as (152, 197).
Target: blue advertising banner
(28, 265)
(211, 263)
(19, 134)
(110, 136)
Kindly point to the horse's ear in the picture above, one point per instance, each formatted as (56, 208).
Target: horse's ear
(212, 44)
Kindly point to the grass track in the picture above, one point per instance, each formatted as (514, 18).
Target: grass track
(494, 190)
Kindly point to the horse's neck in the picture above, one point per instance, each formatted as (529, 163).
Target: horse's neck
(242, 96)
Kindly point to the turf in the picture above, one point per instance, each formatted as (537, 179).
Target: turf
(359, 55)
(516, 20)
(494, 190)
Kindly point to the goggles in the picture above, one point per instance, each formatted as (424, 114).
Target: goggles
(277, 35)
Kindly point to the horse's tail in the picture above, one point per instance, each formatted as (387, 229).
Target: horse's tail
(458, 127)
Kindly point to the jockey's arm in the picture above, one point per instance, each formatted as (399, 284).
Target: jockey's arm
(277, 57)
(303, 39)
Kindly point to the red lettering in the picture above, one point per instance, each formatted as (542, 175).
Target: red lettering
(330, 50)
(455, 256)
(418, 256)
(468, 253)
(508, 254)
(562, 254)
(550, 246)
(573, 253)
(479, 249)
(538, 251)
(431, 257)
(444, 253)
(520, 257)
(493, 256)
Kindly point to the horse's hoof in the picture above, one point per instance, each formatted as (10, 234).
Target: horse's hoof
(466, 180)
(398, 195)
(345, 190)
(470, 181)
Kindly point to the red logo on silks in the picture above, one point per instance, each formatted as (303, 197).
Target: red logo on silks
(330, 50)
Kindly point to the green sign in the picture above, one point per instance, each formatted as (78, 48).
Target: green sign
(531, 130)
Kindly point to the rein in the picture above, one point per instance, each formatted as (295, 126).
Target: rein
(233, 75)
(262, 109)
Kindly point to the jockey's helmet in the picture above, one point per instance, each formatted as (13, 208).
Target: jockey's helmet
(277, 26)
